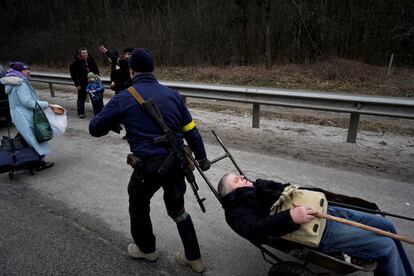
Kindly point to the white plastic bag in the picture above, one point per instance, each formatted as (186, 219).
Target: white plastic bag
(59, 123)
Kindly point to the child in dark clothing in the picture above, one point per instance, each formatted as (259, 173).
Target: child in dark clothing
(95, 89)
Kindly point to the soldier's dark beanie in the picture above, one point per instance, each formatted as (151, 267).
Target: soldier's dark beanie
(128, 50)
(141, 60)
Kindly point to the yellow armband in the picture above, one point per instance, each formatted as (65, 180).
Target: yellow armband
(188, 126)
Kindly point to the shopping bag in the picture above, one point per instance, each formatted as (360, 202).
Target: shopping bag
(43, 130)
(15, 154)
(58, 122)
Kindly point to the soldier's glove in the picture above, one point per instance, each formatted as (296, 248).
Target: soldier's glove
(204, 164)
(134, 161)
(117, 128)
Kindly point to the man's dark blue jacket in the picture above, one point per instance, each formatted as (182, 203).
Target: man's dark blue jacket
(140, 127)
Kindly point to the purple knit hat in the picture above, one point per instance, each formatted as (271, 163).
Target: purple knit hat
(18, 66)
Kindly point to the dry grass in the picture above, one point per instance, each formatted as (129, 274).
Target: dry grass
(336, 75)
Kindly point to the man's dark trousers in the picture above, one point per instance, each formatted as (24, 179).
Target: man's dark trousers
(81, 100)
(144, 182)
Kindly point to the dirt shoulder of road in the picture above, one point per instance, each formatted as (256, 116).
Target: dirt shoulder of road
(307, 116)
(387, 154)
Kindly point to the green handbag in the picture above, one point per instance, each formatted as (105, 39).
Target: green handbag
(43, 130)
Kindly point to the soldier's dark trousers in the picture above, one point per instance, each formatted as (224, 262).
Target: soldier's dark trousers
(143, 184)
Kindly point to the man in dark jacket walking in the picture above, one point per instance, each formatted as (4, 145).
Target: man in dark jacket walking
(247, 209)
(147, 178)
(79, 70)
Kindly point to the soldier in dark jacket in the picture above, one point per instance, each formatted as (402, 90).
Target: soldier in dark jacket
(79, 70)
(247, 209)
(141, 129)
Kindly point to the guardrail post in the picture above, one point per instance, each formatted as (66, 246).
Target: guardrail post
(353, 128)
(256, 115)
(185, 100)
(52, 91)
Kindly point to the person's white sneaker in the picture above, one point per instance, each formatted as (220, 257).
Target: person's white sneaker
(196, 265)
(134, 252)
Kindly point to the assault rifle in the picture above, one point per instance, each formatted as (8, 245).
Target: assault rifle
(171, 141)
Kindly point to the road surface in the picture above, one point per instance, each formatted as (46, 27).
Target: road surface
(73, 218)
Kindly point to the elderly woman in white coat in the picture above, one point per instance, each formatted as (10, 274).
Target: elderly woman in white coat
(22, 101)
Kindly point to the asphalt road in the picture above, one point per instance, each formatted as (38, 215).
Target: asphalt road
(38, 237)
(73, 218)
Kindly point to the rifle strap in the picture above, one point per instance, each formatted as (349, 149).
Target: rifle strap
(136, 95)
(153, 111)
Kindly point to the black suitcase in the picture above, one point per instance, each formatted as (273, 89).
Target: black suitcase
(16, 155)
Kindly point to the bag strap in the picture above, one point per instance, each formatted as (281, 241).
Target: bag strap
(136, 95)
(38, 107)
(285, 196)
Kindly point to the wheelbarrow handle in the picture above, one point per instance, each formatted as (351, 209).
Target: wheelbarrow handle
(228, 154)
(366, 227)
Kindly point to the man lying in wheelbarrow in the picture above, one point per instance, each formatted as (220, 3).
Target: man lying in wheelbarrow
(256, 210)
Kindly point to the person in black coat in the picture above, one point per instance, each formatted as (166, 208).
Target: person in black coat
(79, 70)
(247, 210)
(247, 207)
(120, 76)
(114, 70)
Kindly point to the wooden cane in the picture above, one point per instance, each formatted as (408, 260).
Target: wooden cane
(366, 227)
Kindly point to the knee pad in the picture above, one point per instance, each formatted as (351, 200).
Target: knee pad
(178, 216)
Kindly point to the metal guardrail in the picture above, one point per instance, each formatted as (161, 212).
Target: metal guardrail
(354, 105)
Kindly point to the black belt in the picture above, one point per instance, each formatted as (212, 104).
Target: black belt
(151, 158)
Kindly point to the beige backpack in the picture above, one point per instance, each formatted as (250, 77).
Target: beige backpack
(310, 233)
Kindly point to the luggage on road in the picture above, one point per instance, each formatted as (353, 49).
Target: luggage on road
(16, 155)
